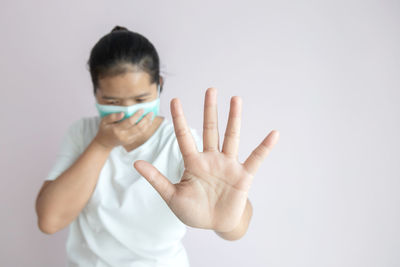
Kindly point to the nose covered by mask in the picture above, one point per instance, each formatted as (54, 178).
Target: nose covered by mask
(153, 106)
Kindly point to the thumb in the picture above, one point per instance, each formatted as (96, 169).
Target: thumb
(160, 183)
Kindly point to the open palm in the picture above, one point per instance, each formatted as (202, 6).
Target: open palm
(212, 192)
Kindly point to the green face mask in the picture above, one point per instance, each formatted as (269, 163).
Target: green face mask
(128, 111)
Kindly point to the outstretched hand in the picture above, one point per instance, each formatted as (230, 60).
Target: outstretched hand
(212, 192)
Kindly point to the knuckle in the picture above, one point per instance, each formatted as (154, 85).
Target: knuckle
(211, 149)
(260, 153)
(180, 132)
(232, 134)
(256, 155)
(210, 125)
(141, 127)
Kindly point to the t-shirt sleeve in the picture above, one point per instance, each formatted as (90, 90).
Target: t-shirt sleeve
(199, 143)
(69, 150)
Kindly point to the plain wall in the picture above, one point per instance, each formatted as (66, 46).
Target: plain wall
(326, 74)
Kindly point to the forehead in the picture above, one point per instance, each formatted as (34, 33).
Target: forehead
(129, 79)
(130, 83)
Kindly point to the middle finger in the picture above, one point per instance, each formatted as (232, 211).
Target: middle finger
(131, 121)
(210, 121)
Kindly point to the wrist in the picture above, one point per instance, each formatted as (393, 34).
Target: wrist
(96, 143)
(242, 226)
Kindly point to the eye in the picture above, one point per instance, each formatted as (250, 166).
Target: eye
(140, 100)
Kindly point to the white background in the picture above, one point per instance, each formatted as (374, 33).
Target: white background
(326, 74)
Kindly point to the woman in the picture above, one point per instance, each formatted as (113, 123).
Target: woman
(96, 187)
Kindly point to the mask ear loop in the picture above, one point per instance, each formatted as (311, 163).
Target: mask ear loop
(158, 90)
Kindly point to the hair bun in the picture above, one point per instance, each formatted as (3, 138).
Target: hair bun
(119, 28)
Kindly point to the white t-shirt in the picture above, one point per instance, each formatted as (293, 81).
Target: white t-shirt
(125, 222)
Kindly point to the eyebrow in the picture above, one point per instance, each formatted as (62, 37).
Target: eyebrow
(111, 97)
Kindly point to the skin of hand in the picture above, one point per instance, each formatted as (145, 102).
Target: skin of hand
(212, 193)
(113, 132)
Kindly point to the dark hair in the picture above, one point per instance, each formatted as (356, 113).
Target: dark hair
(121, 50)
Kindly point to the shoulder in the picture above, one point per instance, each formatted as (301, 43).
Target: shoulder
(84, 125)
(84, 129)
(90, 123)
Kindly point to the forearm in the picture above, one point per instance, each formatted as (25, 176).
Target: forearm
(242, 227)
(63, 199)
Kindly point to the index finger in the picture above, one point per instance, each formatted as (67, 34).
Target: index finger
(185, 139)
